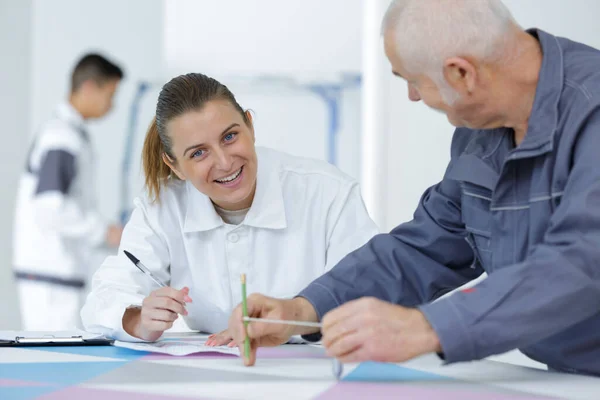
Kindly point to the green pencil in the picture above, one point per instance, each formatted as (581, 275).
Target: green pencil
(245, 311)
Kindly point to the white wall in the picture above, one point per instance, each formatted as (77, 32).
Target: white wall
(263, 36)
(15, 46)
(405, 145)
(419, 138)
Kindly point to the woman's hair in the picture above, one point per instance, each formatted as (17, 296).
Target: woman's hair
(190, 92)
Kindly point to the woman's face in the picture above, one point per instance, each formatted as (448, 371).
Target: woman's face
(214, 149)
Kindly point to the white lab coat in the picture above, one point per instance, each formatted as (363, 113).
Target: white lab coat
(56, 223)
(306, 216)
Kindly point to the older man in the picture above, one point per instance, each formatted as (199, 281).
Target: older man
(520, 200)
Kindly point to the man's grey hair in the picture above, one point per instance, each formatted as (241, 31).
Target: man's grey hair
(427, 32)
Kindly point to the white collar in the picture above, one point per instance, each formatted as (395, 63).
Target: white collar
(66, 112)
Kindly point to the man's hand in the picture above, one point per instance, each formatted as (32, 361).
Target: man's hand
(265, 334)
(370, 329)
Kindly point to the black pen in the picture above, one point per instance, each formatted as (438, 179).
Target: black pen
(143, 268)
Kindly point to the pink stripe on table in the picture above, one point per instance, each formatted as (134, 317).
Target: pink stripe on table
(291, 352)
(15, 382)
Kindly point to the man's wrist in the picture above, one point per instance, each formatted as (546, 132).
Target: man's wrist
(433, 341)
(303, 311)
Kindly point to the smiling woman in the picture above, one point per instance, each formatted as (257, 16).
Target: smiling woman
(217, 207)
(216, 155)
(207, 139)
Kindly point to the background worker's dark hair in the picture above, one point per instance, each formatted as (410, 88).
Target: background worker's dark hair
(96, 68)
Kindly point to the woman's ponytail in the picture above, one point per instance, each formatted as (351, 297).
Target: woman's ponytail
(155, 169)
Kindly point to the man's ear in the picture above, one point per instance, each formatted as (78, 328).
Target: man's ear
(460, 74)
(88, 86)
(173, 165)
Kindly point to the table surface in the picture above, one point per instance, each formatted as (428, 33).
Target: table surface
(290, 371)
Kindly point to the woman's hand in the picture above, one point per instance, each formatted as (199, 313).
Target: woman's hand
(221, 339)
(158, 312)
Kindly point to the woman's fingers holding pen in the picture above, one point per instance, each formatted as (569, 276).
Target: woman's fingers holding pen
(152, 325)
(186, 294)
(155, 319)
(159, 310)
(181, 295)
(163, 302)
(159, 315)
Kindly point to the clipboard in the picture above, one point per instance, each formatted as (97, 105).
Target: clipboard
(51, 340)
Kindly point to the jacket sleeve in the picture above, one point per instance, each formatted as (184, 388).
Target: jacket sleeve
(417, 262)
(55, 209)
(555, 287)
(349, 225)
(118, 284)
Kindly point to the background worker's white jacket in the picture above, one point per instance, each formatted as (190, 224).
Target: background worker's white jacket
(305, 217)
(56, 222)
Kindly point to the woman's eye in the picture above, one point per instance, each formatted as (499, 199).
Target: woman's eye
(229, 137)
(197, 153)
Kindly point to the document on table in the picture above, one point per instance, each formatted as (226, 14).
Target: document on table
(178, 347)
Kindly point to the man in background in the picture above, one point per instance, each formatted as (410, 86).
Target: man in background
(57, 224)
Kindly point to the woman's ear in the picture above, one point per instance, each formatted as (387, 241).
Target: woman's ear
(173, 165)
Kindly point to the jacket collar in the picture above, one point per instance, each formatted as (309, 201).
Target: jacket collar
(543, 120)
(66, 112)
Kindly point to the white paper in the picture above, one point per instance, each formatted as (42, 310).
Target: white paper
(178, 347)
(10, 335)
